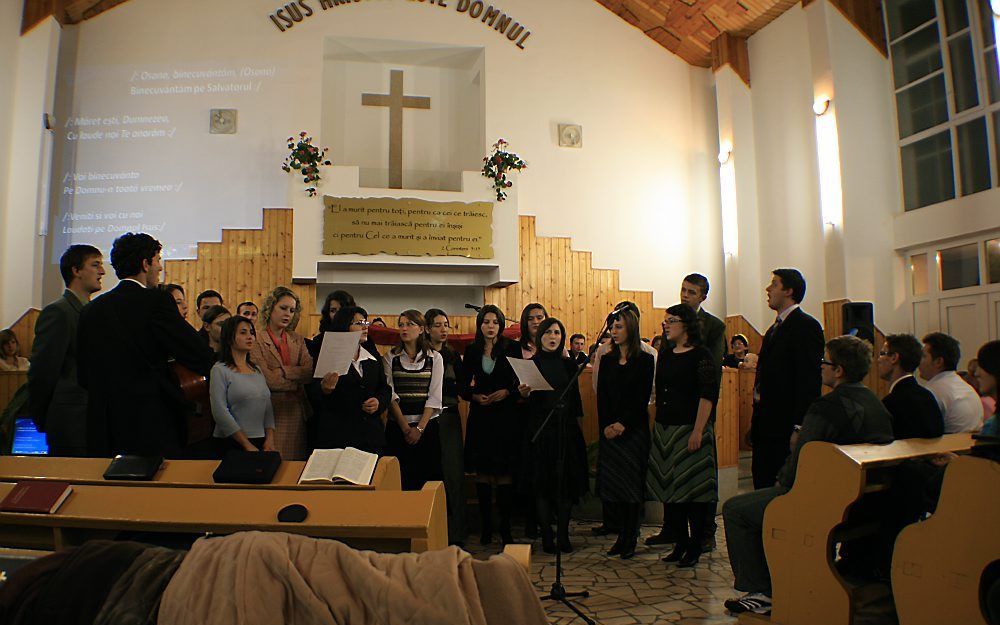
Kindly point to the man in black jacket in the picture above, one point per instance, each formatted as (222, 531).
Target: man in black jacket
(126, 339)
(915, 411)
(57, 404)
(788, 375)
(849, 414)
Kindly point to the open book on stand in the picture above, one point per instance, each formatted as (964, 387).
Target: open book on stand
(339, 466)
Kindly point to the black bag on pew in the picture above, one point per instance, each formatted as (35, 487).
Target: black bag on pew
(247, 467)
(133, 468)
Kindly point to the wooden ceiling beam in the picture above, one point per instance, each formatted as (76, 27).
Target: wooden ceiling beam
(732, 50)
(65, 11)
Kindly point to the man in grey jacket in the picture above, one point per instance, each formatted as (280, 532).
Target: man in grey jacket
(57, 403)
(847, 415)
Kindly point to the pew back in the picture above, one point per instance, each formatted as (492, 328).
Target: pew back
(385, 520)
(799, 527)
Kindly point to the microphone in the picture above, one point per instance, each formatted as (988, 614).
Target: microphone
(474, 307)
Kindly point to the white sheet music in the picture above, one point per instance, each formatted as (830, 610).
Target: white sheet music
(337, 353)
(527, 373)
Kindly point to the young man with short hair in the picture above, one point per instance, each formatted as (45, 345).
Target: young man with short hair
(57, 403)
(578, 349)
(788, 375)
(694, 291)
(126, 339)
(849, 414)
(915, 412)
(205, 301)
(959, 402)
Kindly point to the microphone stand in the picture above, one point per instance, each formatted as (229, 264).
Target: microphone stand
(558, 591)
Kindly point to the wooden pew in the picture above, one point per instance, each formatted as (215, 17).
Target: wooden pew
(801, 527)
(10, 381)
(937, 564)
(384, 520)
(178, 473)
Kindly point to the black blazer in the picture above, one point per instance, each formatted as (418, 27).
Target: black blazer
(788, 375)
(915, 411)
(339, 420)
(624, 398)
(57, 403)
(474, 380)
(125, 340)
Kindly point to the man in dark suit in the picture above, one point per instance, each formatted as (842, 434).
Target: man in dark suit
(915, 411)
(57, 403)
(126, 339)
(577, 349)
(788, 375)
(694, 291)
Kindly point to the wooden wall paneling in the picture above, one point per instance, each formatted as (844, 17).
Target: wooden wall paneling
(727, 422)
(10, 381)
(24, 330)
(746, 380)
(737, 324)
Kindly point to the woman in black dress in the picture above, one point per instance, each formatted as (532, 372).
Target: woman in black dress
(544, 463)
(623, 390)
(682, 471)
(491, 438)
(347, 408)
(526, 347)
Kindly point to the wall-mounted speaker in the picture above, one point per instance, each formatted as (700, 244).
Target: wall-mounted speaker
(859, 320)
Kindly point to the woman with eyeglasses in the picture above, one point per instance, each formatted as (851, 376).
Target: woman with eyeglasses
(416, 376)
(682, 470)
(347, 408)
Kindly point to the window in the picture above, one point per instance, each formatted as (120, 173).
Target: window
(947, 91)
(959, 266)
(993, 261)
(918, 273)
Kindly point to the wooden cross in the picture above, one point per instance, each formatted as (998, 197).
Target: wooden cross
(396, 102)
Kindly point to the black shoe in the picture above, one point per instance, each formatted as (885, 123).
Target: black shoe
(676, 555)
(616, 549)
(708, 545)
(602, 530)
(663, 538)
(690, 558)
(755, 602)
(628, 550)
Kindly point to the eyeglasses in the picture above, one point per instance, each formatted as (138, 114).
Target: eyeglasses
(884, 353)
(824, 361)
(674, 320)
(363, 324)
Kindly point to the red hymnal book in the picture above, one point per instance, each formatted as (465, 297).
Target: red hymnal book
(37, 497)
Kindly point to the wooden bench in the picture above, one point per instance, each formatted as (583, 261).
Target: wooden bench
(937, 564)
(801, 527)
(370, 519)
(178, 473)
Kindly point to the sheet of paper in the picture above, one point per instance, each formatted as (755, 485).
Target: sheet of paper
(527, 373)
(337, 353)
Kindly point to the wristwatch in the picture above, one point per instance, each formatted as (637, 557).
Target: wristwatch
(420, 429)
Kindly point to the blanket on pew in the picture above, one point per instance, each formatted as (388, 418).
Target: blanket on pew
(266, 577)
(270, 577)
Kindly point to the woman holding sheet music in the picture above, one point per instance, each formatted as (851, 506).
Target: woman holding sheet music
(543, 461)
(416, 375)
(491, 441)
(241, 401)
(347, 408)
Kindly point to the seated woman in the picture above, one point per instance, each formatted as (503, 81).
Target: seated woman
(347, 408)
(739, 347)
(10, 353)
(241, 401)
(543, 462)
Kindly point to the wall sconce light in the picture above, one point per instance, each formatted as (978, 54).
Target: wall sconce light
(995, 5)
(821, 105)
(726, 152)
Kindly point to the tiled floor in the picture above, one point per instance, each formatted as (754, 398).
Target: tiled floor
(640, 590)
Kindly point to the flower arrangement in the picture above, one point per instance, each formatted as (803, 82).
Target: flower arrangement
(305, 159)
(496, 166)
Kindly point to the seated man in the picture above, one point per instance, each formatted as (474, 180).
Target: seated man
(915, 411)
(959, 402)
(849, 414)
